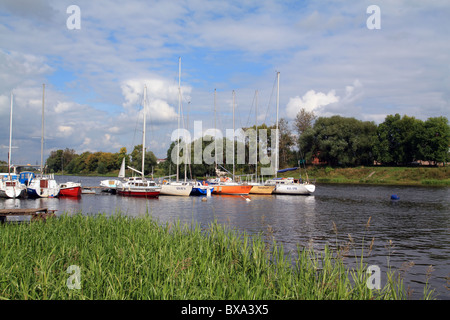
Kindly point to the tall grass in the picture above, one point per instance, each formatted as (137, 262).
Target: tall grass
(138, 258)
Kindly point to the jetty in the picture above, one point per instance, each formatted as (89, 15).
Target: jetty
(36, 213)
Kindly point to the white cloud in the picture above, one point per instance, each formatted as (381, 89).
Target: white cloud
(65, 130)
(162, 97)
(311, 101)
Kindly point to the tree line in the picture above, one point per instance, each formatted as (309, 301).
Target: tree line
(98, 162)
(399, 140)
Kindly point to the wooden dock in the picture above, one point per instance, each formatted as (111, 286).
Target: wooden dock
(36, 214)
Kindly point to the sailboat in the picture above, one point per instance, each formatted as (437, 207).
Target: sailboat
(287, 185)
(257, 187)
(140, 186)
(177, 188)
(226, 185)
(43, 186)
(111, 185)
(10, 186)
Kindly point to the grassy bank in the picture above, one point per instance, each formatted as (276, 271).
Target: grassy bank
(424, 176)
(137, 258)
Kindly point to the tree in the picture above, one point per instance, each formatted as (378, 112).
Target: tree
(398, 139)
(434, 140)
(136, 159)
(59, 159)
(340, 141)
(304, 120)
(286, 143)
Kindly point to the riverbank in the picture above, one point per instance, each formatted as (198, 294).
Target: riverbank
(413, 176)
(118, 257)
(376, 175)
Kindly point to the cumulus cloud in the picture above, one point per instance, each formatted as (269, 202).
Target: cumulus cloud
(162, 97)
(311, 101)
(327, 104)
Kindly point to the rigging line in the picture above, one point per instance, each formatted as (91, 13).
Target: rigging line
(251, 108)
(270, 100)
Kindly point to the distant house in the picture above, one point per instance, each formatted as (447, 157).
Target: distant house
(316, 161)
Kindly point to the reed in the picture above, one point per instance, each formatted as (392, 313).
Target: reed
(120, 257)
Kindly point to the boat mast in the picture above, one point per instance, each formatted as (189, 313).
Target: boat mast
(10, 137)
(179, 112)
(277, 135)
(215, 128)
(143, 134)
(256, 130)
(233, 130)
(42, 130)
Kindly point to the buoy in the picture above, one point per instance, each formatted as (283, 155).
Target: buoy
(395, 197)
(204, 199)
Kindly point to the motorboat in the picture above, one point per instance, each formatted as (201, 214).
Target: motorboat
(70, 189)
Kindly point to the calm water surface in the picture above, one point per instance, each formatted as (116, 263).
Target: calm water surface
(418, 224)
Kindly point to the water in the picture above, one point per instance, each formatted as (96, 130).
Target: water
(417, 224)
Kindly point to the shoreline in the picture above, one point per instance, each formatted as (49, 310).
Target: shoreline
(362, 175)
(395, 176)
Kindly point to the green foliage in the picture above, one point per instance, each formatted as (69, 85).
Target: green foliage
(68, 161)
(402, 140)
(339, 141)
(397, 141)
(136, 160)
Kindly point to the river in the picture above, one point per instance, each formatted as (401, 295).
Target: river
(410, 234)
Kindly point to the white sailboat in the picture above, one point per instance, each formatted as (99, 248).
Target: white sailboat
(140, 186)
(111, 185)
(177, 188)
(10, 186)
(43, 186)
(287, 185)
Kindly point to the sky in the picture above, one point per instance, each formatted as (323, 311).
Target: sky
(333, 57)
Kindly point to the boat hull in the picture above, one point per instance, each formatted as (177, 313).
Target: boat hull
(70, 192)
(197, 191)
(295, 189)
(175, 190)
(110, 185)
(232, 189)
(12, 192)
(43, 188)
(138, 193)
(262, 189)
(42, 192)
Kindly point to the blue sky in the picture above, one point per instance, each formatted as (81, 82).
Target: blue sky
(329, 62)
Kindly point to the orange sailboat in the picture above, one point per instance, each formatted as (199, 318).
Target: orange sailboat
(227, 186)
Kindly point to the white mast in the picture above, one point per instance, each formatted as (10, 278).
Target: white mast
(256, 130)
(42, 130)
(277, 135)
(143, 134)
(10, 137)
(179, 114)
(233, 131)
(215, 128)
